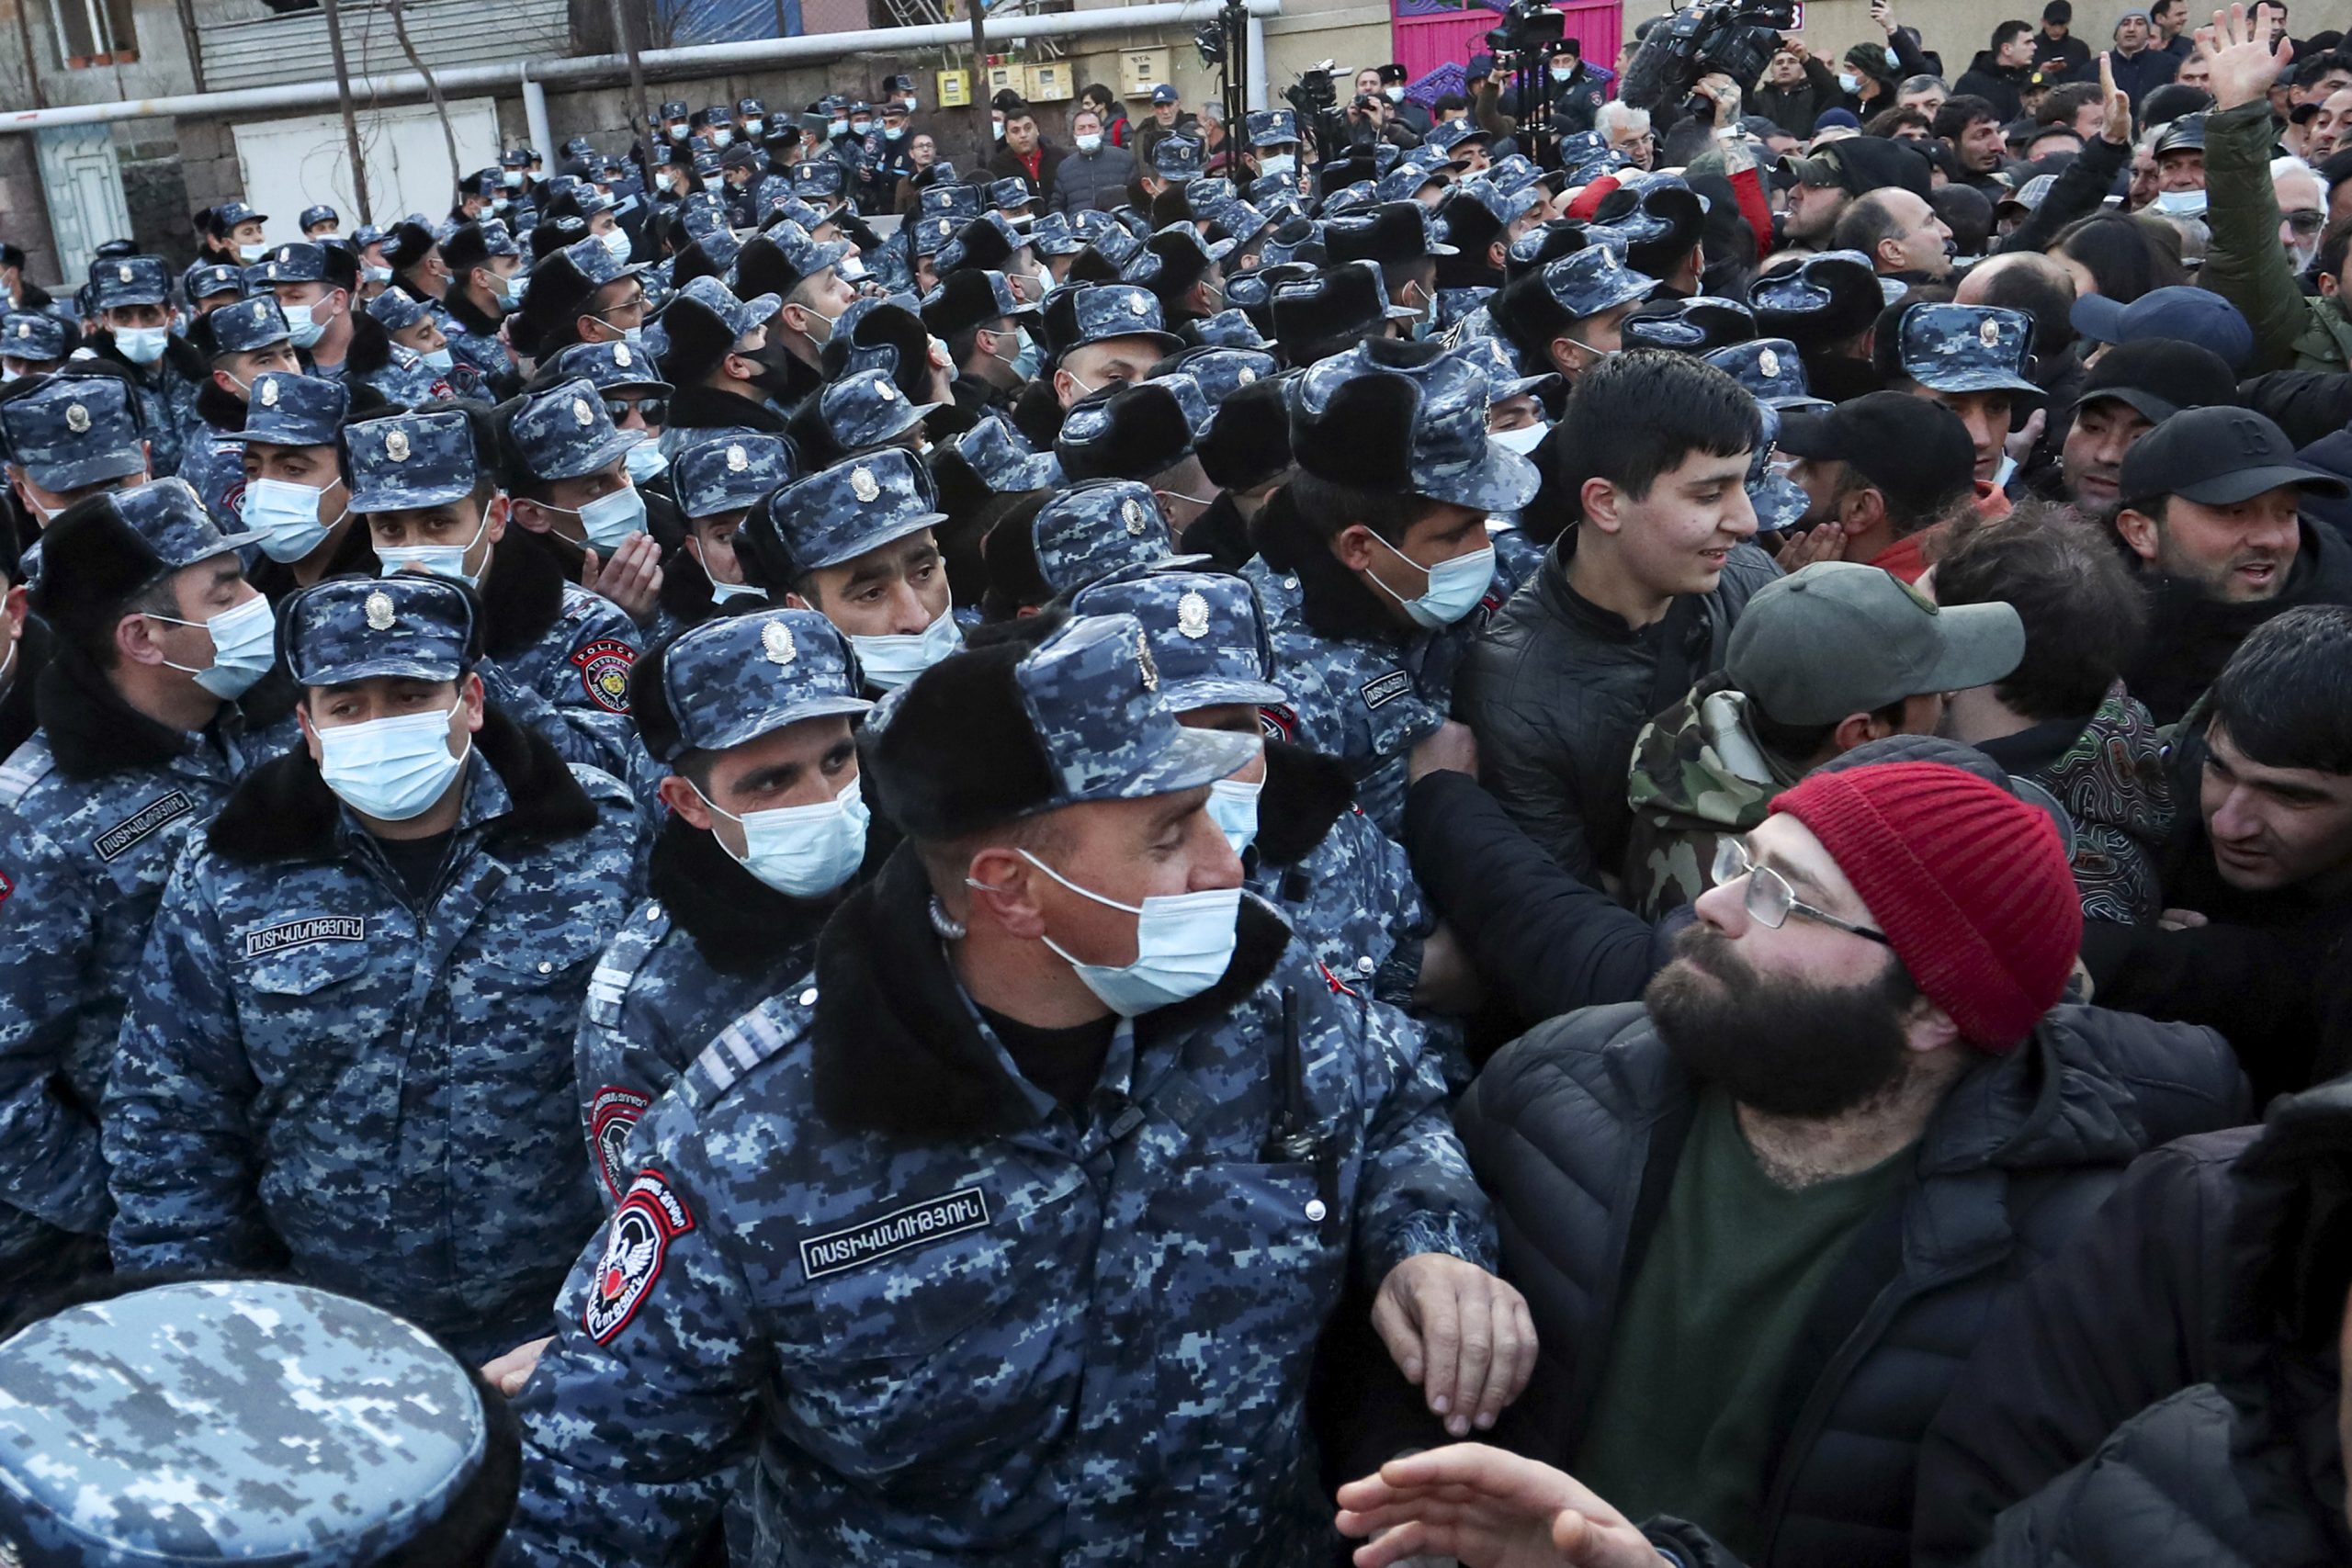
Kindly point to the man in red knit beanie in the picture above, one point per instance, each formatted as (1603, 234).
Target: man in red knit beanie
(1761, 1219)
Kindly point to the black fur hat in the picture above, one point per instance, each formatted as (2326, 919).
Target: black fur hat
(955, 752)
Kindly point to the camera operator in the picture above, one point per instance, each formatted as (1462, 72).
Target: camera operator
(1371, 118)
(1570, 91)
(1735, 37)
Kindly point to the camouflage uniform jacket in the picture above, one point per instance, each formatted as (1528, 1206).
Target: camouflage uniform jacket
(168, 392)
(557, 658)
(213, 468)
(711, 944)
(966, 1326)
(1364, 688)
(1345, 888)
(1699, 773)
(317, 1070)
(94, 810)
(474, 342)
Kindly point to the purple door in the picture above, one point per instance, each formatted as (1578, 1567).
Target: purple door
(1430, 33)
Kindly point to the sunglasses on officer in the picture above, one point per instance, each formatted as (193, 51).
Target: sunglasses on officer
(656, 410)
(1770, 899)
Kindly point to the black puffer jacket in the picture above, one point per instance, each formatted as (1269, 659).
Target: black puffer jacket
(1558, 687)
(2246, 1469)
(1574, 1130)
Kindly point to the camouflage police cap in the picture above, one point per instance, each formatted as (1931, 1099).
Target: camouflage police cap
(206, 280)
(1405, 183)
(408, 462)
(1357, 196)
(118, 281)
(706, 165)
(816, 180)
(729, 474)
(838, 513)
(1689, 326)
(232, 1421)
(1270, 127)
(598, 264)
(1099, 313)
(396, 309)
(1002, 459)
(1052, 235)
(410, 626)
(1593, 281)
(1095, 528)
(75, 430)
(1235, 223)
(1828, 295)
(1207, 632)
(1453, 133)
(673, 108)
(1294, 239)
(1005, 194)
(1273, 194)
(299, 263)
(1780, 501)
(293, 411)
(988, 241)
(792, 209)
(229, 214)
(1966, 348)
(1176, 156)
(804, 257)
(244, 326)
(1492, 356)
(564, 433)
(1092, 694)
(702, 215)
(739, 316)
(865, 408)
(313, 216)
(611, 366)
(1227, 329)
(950, 199)
(1115, 244)
(1219, 372)
(971, 298)
(1770, 371)
(734, 679)
(932, 232)
(751, 108)
(497, 239)
(1131, 431)
(32, 337)
(1387, 415)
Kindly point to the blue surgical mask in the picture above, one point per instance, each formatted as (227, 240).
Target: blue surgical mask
(142, 346)
(1233, 807)
(860, 126)
(1848, 83)
(645, 462)
(753, 127)
(302, 322)
(802, 851)
(2180, 203)
(245, 645)
(720, 593)
(391, 769)
(440, 361)
(1455, 586)
(1278, 164)
(610, 521)
(1090, 141)
(1185, 943)
(1524, 440)
(287, 516)
(1893, 61)
(720, 136)
(445, 561)
(837, 128)
(616, 243)
(891, 661)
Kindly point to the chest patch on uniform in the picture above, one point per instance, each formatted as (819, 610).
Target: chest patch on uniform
(611, 1115)
(918, 1225)
(1277, 724)
(1386, 688)
(140, 824)
(304, 933)
(650, 1217)
(604, 673)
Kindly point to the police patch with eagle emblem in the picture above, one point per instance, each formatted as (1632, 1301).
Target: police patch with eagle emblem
(603, 671)
(650, 1218)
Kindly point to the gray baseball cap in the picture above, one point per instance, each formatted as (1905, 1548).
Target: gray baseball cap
(1839, 637)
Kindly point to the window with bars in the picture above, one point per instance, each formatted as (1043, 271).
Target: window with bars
(93, 32)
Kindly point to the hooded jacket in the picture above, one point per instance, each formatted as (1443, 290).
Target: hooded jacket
(1576, 1130)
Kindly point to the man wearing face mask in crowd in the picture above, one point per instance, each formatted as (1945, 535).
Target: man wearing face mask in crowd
(149, 713)
(571, 492)
(295, 502)
(420, 888)
(805, 273)
(990, 334)
(751, 716)
(132, 297)
(487, 265)
(716, 483)
(433, 490)
(720, 362)
(57, 455)
(315, 285)
(244, 340)
(856, 543)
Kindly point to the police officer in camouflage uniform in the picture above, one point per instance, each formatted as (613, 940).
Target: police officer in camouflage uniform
(132, 297)
(751, 715)
(32, 344)
(143, 733)
(296, 503)
(245, 341)
(348, 1047)
(556, 657)
(718, 483)
(70, 436)
(316, 288)
(486, 272)
(1374, 567)
(352, 1438)
(1012, 1232)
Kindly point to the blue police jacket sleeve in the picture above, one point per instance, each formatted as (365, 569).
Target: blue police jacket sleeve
(635, 1416)
(49, 1163)
(177, 1138)
(1417, 1193)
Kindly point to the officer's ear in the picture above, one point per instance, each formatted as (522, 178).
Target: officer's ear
(469, 716)
(309, 731)
(496, 515)
(1001, 885)
(1355, 545)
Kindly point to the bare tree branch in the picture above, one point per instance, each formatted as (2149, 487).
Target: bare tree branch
(432, 90)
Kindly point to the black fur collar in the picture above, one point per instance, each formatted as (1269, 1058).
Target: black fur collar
(480, 323)
(93, 732)
(522, 593)
(896, 1049)
(704, 408)
(1038, 413)
(219, 409)
(1306, 794)
(284, 811)
(355, 552)
(739, 924)
(1334, 602)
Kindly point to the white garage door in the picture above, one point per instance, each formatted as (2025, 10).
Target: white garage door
(289, 164)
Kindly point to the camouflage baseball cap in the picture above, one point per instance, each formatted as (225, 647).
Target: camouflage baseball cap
(611, 366)
(1770, 370)
(117, 281)
(1176, 156)
(1094, 697)
(1002, 459)
(739, 677)
(564, 432)
(247, 325)
(204, 279)
(350, 628)
(32, 335)
(1092, 529)
(839, 513)
(1966, 348)
(1404, 417)
(1207, 632)
(293, 411)
(74, 430)
(1839, 637)
(1780, 501)
(729, 474)
(301, 263)
(230, 1421)
(407, 462)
